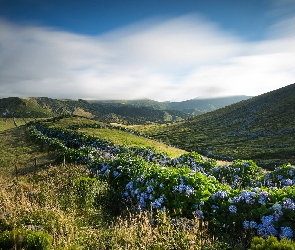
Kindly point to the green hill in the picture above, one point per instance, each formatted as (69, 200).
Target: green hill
(261, 128)
(114, 112)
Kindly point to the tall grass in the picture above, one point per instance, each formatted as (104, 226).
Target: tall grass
(50, 201)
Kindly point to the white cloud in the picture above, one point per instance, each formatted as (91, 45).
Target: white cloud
(174, 59)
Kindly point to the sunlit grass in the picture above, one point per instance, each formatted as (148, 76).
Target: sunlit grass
(16, 151)
(119, 137)
(8, 123)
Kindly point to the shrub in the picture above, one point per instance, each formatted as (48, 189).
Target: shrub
(25, 239)
(86, 191)
(272, 243)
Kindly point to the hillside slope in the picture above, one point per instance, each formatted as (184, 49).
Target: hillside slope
(261, 128)
(125, 112)
(202, 105)
(107, 112)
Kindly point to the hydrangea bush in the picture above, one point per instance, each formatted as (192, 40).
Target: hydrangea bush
(239, 199)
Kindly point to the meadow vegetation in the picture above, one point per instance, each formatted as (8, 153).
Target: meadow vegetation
(77, 184)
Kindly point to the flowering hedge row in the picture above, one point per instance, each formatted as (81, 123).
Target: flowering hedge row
(239, 199)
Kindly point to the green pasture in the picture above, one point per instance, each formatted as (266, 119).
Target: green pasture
(121, 138)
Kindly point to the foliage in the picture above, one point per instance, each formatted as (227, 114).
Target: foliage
(271, 243)
(86, 189)
(25, 239)
(238, 201)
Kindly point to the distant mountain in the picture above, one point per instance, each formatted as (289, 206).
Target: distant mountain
(126, 112)
(192, 107)
(261, 128)
(108, 112)
(202, 105)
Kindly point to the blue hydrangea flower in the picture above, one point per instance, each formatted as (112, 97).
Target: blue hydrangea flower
(286, 232)
(116, 174)
(158, 203)
(233, 209)
(199, 214)
(220, 194)
(266, 230)
(288, 204)
(249, 225)
(150, 189)
(287, 182)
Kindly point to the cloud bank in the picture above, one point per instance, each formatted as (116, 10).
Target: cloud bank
(176, 59)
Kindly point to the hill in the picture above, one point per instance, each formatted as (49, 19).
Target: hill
(192, 107)
(113, 111)
(202, 105)
(261, 128)
(39, 107)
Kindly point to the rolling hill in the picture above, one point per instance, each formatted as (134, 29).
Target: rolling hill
(125, 112)
(192, 107)
(261, 128)
(40, 107)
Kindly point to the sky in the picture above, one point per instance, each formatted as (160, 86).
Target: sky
(164, 50)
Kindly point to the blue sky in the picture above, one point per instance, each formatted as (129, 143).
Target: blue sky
(165, 50)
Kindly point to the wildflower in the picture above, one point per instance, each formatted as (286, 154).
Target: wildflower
(215, 206)
(252, 224)
(276, 206)
(142, 202)
(267, 220)
(263, 197)
(286, 232)
(289, 204)
(150, 189)
(249, 225)
(129, 185)
(287, 182)
(157, 204)
(277, 214)
(221, 194)
(199, 214)
(233, 209)
(266, 228)
(116, 174)
(189, 191)
(246, 164)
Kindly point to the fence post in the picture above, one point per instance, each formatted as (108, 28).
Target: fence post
(15, 168)
(35, 165)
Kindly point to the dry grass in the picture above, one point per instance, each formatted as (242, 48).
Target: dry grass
(48, 200)
(45, 198)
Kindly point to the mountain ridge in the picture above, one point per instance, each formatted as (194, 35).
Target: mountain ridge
(119, 111)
